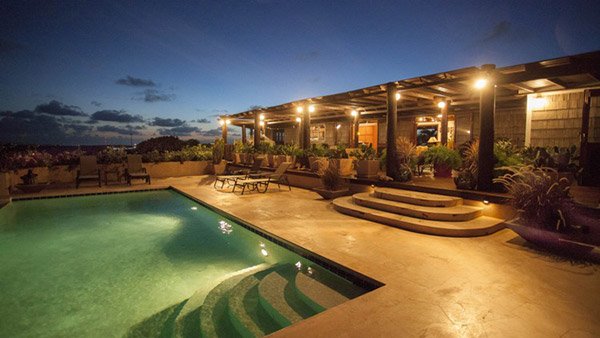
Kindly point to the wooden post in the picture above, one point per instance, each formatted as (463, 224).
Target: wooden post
(444, 123)
(244, 134)
(356, 129)
(391, 160)
(224, 131)
(487, 107)
(306, 129)
(256, 129)
(472, 126)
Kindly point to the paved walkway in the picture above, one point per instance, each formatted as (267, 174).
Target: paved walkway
(435, 286)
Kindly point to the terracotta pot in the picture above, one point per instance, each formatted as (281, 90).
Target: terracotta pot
(441, 170)
(331, 194)
(219, 169)
(278, 159)
(314, 163)
(343, 165)
(367, 168)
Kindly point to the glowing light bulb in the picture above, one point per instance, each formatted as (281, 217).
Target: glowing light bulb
(264, 252)
(398, 96)
(261, 117)
(539, 102)
(338, 126)
(261, 123)
(441, 104)
(299, 109)
(298, 119)
(486, 202)
(481, 83)
(311, 108)
(354, 113)
(228, 121)
(221, 122)
(439, 116)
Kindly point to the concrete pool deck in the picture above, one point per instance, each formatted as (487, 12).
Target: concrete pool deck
(434, 286)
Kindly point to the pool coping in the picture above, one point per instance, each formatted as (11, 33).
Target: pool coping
(355, 277)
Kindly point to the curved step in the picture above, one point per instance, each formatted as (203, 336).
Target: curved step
(316, 294)
(213, 312)
(454, 213)
(417, 198)
(247, 324)
(271, 291)
(480, 226)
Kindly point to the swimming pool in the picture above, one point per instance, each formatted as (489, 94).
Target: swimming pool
(149, 264)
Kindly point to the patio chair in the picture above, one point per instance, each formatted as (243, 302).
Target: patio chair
(260, 182)
(88, 170)
(240, 174)
(135, 170)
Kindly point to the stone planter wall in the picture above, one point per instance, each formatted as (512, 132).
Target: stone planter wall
(177, 169)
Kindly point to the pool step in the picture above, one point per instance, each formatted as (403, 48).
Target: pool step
(417, 198)
(451, 213)
(214, 321)
(315, 294)
(272, 296)
(479, 226)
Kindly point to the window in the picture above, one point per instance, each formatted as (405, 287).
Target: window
(317, 133)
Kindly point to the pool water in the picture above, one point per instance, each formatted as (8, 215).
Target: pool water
(139, 264)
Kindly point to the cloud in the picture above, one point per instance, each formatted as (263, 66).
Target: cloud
(56, 108)
(179, 131)
(160, 122)
(116, 116)
(499, 31)
(78, 128)
(135, 82)
(118, 130)
(203, 120)
(96, 104)
(153, 95)
(7, 46)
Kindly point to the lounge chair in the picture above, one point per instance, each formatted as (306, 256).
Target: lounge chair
(260, 182)
(240, 174)
(88, 170)
(135, 170)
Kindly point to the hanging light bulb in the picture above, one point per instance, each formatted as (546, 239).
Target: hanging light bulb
(481, 83)
(261, 117)
(354, 113)
(441, 104)
(311, 108)
(221, 122)
(398, 96)
(299, 109)
(298, 119)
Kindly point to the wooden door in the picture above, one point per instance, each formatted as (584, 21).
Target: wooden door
(368, 134)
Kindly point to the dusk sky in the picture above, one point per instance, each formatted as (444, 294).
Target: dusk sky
(92, 72)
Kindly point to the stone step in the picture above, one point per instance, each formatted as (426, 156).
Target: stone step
(214, 321)
(417, 198)
(477, 227)
(273, 298)
(315, 294)
(243, 307)
(454, 213)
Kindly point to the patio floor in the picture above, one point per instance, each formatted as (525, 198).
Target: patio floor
(434, 286)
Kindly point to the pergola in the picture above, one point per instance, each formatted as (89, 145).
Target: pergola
(467, 89)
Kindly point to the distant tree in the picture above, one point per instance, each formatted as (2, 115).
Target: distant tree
(164, 143)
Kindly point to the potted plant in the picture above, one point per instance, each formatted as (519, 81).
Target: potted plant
(279, 155)
(547, 215)
(443, 160)
(467, 175)
(317, 157)
(366, 161)
(405, 152)
(218, 151)
(238, 147)
(333, 183)
(338, 158)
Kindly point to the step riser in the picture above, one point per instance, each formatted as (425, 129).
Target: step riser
(417, 201)
(398, 223)
(418, 214)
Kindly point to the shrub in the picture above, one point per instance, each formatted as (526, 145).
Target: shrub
(164, 143)
(337, 153)
(364, 152)
(112, 155)
(218, 151)
(539, 196)
(441, 155)
(330, 177)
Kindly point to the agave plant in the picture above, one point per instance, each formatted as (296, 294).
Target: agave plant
(539, 196)
(330, 176)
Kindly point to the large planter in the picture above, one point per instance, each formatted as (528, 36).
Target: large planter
(264, 160)
(331, 194)
(219, 168)
(278, 159)
(442, 170)
(367, 168)
(271, 160)
(316, 163)
(32, 188)
(178, 169)
(237, 158)
(571, 245)
(5, 182)
(343, 165)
